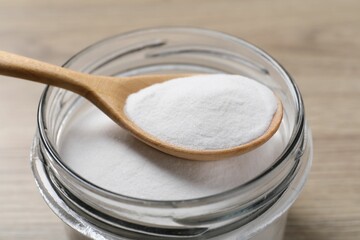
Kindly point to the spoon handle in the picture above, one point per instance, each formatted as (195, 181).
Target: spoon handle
(30, 69)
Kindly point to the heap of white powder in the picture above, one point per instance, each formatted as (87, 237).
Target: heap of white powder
(198, 112)
(204, 111)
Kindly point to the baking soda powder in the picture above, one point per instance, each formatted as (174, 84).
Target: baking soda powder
(204, 111)
(108, 156)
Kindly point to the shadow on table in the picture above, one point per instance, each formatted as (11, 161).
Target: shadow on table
(298, 228)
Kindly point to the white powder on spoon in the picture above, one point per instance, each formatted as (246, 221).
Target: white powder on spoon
(108, 156)
(204, 111)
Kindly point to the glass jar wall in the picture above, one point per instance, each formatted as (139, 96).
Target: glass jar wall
(255, 209)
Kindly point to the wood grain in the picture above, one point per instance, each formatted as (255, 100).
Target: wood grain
(318, 42)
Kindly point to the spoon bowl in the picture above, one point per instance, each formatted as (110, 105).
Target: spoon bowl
(109, 94)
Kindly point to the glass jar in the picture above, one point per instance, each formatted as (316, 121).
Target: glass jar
(254, 210)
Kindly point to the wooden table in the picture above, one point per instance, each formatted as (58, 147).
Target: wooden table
(317, 41)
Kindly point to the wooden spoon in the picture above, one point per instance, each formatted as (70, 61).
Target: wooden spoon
(109, 94)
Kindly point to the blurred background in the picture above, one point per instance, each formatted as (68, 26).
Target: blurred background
(318, 42)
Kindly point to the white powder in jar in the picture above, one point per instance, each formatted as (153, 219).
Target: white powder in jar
(103, 153)
(215, 111)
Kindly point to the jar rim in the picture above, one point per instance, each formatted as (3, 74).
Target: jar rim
(292, 143)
